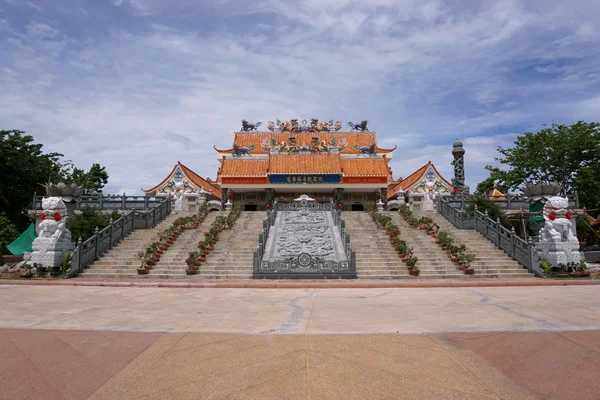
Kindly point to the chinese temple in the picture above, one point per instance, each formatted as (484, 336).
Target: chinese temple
(292, 158)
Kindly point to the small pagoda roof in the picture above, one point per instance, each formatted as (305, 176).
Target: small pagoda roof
(417, 179)
(193, 177)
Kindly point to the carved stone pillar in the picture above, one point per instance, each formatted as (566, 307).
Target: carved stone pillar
(339, 198)
(223, 197)
(269, 198)
(459, 166)
(384, 198)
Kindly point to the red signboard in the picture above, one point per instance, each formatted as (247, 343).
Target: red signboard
(255, 180)
(364, 179)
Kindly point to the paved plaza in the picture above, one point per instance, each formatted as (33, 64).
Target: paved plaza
(68, 342)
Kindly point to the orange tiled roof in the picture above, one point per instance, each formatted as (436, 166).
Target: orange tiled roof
(414, 178)
(193, 177)
(497, 194)
(366, 167)
(244, 167)
(254, 139)
(305, 164)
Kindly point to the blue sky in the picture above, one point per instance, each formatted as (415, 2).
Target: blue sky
(138, 85)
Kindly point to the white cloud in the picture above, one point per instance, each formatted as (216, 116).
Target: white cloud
(139, 97)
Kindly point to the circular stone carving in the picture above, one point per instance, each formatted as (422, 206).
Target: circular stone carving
(304, 203)
(304, 260)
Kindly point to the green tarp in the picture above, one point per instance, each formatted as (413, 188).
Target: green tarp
(22, 244)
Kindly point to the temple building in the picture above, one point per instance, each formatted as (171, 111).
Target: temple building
(415, 187)
(190, 188)
(294, 158)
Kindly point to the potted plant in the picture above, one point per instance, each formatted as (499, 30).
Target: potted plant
(40, 270)
(465, 260)
(407, 254)
(412, 266)
(401, 248)
(562, 271)
(144, 257)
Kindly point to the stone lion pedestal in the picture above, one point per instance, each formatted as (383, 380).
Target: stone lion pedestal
(557, 241)
(54, 239)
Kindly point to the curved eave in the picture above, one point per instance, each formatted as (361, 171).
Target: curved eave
(223, 151)
(382, 150)
(169, 175)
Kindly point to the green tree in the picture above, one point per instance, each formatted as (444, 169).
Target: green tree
(8, 231)
(569, 155)
(24, 167)
(84, 224)
(95, 179)
(494, 210)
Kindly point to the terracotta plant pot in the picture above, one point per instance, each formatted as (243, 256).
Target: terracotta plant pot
(142, 271)
(414, 272)
(462, 267)
(405, 259)
(201, 259)
(190, 272)
(575, 274)
(469, 271)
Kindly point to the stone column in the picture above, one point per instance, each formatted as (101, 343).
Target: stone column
(223, 197)
(269, 198)
(384, 195)
(339, 198)
(458, 152)
(201, 199)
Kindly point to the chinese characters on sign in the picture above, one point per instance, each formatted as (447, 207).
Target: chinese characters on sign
(308, 179)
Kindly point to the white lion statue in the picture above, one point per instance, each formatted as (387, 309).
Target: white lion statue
(53, 219)
(557, 226)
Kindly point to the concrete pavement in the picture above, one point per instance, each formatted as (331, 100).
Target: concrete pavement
(66, 342)
(301, 311)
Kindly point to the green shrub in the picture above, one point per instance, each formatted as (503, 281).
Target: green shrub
(84, 224)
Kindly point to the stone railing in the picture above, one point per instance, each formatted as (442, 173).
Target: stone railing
(453, 212)
(109, 202)
(508, 203)
(507, 240)
(90, 250)
(520, 250)
(268, 222)
(341, 224)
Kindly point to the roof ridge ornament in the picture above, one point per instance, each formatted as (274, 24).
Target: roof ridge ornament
(293, 126)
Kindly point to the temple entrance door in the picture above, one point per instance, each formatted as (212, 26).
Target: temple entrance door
(250, 207)
(358, 207)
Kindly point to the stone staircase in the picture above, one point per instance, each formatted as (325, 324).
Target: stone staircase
(122, 261)
(231, 257)
(172, 263)
(490, 261)
(375, 256)
(433, 262)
